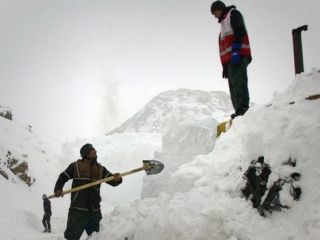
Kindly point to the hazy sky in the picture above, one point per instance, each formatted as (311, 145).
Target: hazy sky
(78, 68)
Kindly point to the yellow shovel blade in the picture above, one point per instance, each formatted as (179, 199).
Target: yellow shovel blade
(223, 127)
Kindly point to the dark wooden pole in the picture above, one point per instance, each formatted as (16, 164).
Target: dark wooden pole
(297, 48)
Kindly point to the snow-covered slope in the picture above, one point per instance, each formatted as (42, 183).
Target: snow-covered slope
(20, 204)
(118, 152)
(202, 198)
(178, 106)
(198, 195)
(19, 144)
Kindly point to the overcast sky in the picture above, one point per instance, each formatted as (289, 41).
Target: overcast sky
(78, 68)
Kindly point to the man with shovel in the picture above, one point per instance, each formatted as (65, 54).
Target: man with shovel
(84, 211)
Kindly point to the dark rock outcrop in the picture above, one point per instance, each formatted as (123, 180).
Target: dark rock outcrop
(5, 112)
(18, 168)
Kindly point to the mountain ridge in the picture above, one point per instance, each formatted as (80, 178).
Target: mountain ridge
(177, 105)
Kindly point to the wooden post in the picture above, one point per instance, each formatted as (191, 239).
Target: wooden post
(297, 48)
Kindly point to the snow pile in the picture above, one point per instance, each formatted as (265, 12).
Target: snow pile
(180, 144)
(304, 85)
(201, 199)
(198, 195)
(118, 152)
(173, 107)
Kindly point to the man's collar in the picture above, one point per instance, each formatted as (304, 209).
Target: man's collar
(224, 14)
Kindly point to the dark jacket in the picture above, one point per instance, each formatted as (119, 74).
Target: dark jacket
(81, 173)
(237, 23)
(47, 206)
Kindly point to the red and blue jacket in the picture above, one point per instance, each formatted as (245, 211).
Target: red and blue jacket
(233, 31)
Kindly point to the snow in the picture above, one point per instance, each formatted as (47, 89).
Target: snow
(201, 199)
(198, 194)
(178, 106)
(304, 85)
(180, 144)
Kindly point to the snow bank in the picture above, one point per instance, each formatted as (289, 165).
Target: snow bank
(304, 85)
(180, 144)
(198, 195)
(118, 152)
(204, 201)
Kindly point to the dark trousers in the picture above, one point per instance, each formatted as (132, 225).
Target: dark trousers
(238, 85)
(46, 221)
(80, 220)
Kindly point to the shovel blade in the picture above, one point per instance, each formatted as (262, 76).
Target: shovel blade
(223, 127)
(152, 166)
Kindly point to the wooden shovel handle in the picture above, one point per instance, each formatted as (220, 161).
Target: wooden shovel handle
(108, 179)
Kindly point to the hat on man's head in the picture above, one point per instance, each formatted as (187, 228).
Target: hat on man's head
(85, 149)
(44, 196)
(218, 5)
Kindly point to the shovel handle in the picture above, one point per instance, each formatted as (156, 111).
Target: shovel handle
(107, 179)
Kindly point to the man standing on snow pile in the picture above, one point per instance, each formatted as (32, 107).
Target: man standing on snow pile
(47, 213)
(84, 211)
(235, 54)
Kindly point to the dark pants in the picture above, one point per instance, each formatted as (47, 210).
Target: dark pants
(46, 221)
(238, 85)
(79, 220)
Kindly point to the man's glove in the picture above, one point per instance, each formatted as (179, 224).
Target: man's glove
(235, 55)
(117, 177)
(235, 58)
(225, 71)
(58, 193)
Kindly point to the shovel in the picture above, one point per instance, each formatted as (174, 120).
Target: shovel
(150, 166)
(223, 127)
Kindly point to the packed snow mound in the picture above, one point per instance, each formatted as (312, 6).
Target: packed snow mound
(202, 198)
(180, 144)
(178, 106)
(303, 86)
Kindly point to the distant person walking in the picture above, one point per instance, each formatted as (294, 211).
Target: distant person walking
(84, 211)
(235, 54)
(47, 214)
